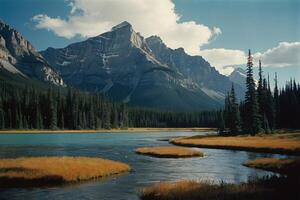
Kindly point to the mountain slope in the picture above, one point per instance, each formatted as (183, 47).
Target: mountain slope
(128, 68)
(194, 68)
(17, 56)
(238, 76)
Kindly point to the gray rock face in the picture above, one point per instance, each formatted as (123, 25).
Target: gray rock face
(143, 72)
(194, 68)
(238, 76)
(18, 56)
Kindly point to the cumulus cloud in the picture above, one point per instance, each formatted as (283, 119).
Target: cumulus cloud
(223, 59)
(284, 55)
(150, 17)
(158, 17)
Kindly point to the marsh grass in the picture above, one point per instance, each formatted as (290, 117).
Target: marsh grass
(192, 190)
(169, 152)
(266, 188)
(279, 143)
(43, 171)
(285, 166)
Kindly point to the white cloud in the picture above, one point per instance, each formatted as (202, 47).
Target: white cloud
(221, 59)
(157, 17)
(150, 17)
(283, 55)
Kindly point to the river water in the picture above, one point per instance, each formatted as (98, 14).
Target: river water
(217, 165)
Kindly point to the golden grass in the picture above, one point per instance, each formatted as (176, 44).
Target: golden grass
(279, 143)
(287, 166)
(133, 130)
(56, 170)
(169, 152)
(191, 190)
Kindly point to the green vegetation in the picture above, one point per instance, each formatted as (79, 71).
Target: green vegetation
(251, 121)
(169, 152)
(262, 110)
(42, 171)
(67, 108)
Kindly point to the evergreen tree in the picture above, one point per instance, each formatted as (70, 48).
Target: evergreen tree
(252, 122)
(2, 122)
(276, 103)
(227, 110)
(52, 111)
(261, 93)
(270, 107)
(221, 123)
(235, 120)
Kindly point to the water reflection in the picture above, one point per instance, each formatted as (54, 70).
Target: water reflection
(217, 165)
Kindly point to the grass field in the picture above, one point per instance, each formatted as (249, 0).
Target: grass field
(277, 143)
(192, 190)
(286, 166)
(39, 171)
(169, 152)
(267, 188)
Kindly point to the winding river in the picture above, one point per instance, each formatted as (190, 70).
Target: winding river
(217, 165)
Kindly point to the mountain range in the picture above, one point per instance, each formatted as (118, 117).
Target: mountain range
(18, 56)
(123, 65)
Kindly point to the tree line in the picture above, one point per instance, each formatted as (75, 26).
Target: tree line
(59, 108)
(263, 110)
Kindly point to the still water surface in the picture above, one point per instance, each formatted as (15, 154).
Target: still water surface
(217, 165)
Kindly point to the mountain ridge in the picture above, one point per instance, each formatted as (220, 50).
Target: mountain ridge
(18, 56)
(142, 72)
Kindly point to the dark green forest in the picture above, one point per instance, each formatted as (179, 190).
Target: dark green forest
(36, 106)
(263, 110)
(67, 108)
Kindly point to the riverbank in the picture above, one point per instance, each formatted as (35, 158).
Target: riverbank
(278, 165)
(287, 143)
(266, 188)
(270, 188)
(127, 130)
(48, 171)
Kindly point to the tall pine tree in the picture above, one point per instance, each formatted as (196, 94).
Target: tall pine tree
(252, 122)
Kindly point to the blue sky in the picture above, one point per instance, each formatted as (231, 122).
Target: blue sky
(219, 30)
(255, 24)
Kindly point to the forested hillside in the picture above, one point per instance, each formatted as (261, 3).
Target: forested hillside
(29, 107)
(264, 109)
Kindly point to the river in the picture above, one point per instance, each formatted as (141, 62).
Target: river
(217, 165)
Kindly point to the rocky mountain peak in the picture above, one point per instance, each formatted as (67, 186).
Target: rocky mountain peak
(122, 36)
(154, 39)
(123, 25)
(138, 71)
(18, 56)
(238, 76)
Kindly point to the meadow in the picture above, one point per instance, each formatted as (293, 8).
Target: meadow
(39, 171)
(288, 143)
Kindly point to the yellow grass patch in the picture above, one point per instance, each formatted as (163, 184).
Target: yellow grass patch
(282, 143)
(192, 190)
(56, 170)
(275, 164)
(169, 152)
